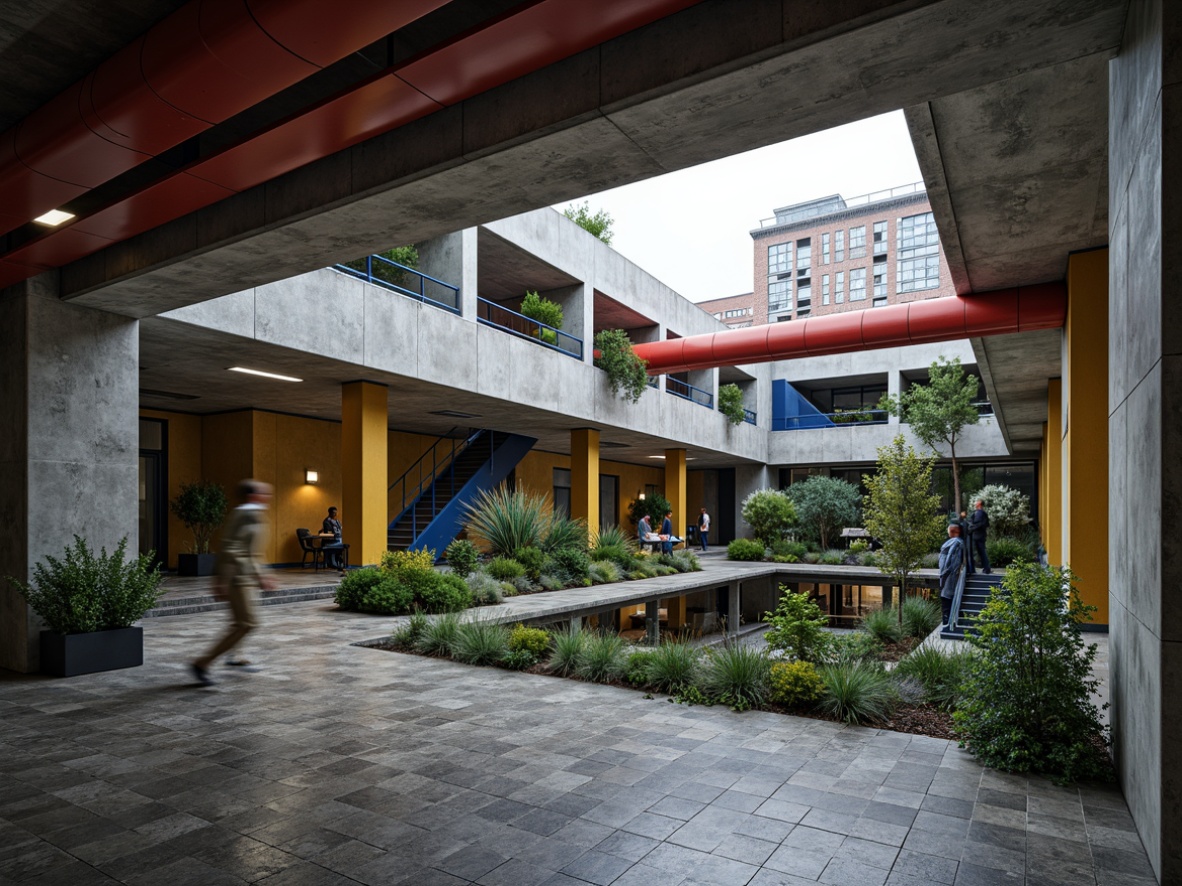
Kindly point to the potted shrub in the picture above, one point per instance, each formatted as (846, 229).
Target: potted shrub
(201, 507)
(88, 604)
(730, 403)
(542, 310)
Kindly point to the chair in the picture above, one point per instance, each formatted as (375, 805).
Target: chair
(309, 547)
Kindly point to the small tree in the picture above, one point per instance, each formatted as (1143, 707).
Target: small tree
(655, 506)
(939, 411)
(797, 627)
(824, 505)
(625, 371)
(201, 507)
(769, 513)
(730, 403)
(1026, 704)
(597, 224)
(901, 512)
(546, 312)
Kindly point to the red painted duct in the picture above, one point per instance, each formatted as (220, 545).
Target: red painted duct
(206, 62)
(1024, 309)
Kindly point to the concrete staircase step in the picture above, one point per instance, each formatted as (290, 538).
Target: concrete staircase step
(207, 602)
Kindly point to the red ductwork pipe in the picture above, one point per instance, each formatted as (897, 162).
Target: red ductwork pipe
(1023, 309)
(206, 62)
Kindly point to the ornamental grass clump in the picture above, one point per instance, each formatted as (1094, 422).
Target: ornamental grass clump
(920, 616)
(604, 572)
(480, 642)
(505, 568)
(485, 590)
(1027, 700)
(883, 625)
(408, 636)
(568, 652)
(737, 676)
(672, 667)
(439, 636)
(602, 658)
(508, 519)
(857, 693)
(940, 673)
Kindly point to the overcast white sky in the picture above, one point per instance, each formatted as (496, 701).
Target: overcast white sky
(691, 229)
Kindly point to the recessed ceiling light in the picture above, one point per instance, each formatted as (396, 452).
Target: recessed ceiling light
(662, 458)
(263, 374)
(54, 217)
(451, 413)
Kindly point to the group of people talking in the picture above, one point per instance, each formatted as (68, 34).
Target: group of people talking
(966, 536)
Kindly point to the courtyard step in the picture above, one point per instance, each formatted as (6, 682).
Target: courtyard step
(207, 602)
(977, 590)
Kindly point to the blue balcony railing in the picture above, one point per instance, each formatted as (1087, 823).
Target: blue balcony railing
(831, 419)
(490, 313)
(749, 417)
(686, 391)
(396, 277)
(654, 381)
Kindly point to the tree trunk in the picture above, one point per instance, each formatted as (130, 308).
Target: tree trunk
(955, 482)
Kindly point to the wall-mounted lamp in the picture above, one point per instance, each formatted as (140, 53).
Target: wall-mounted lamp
(640, 496)
(311, 476)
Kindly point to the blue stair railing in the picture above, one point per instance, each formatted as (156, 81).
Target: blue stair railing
(381, 271)
(957, 600)
(686, 391)
(419, 479)
(490, 313)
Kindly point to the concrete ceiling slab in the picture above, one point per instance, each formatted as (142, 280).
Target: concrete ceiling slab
(1015, 369)
(507, 270)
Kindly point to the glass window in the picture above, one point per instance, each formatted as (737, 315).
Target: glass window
(804, 255)
(858, 284)
(839, 287)
(804, 294)
(880, 238)
(918, 255)
(562, 491)
(779, 296)
(839, 245)
(858, 242)
(824, 289)
(880, 283)
(825, 248)
(779, 258)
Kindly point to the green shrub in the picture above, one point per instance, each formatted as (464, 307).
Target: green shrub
(531, 560)
(570, 564)
(439, 636)
(533, 640)
(434, 592)
(797, 627)
(505, 568)
(940, 673)
(769, 513)
(519, 660)
(522, 585)
(354, 585)
(551, 582)
(737, 676)
(568, 652)
(853, 648)
(480, 642)
(602, 659)
(784, 547)
(485, 590)
(744, 549)
(636, 668)
(883, 625)
(202, 507)
(618, 554)
(408, 636)
(462, 556)
(1027, 697)
(85, 592)
(673, 666)
(812, 557)
(857, 693)
(564, 532)
(388, 597)
(508, 519)
(794, 683)
(397, 562)
(730, 403)
(920, 616)
(1005, 550)
(1008, 509)
(625, 370)
(542, 310)
(687, 561)
(858, 547)
(604, 572)
(508, 589)
(868, 558)
(832, 557)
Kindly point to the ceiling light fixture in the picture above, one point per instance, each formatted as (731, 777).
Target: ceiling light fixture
(54, 217)
(263, 374)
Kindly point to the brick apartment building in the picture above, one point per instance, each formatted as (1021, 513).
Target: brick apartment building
(833, 254)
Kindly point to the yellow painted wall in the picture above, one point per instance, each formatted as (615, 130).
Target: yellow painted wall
(227, 457)
(184, 466)
(365, 468)
(301, 444)
(536, 472)
(1085, 431)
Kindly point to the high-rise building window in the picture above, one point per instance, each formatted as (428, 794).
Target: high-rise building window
(824, 289)
(880, 282)
(779, 258)
(858, 242)
(779, 296)
(880, 238)
(918, 266)
(857, 284)
(839, 287)
(839, 245)
(804, 257)
(825, 248)
(804, 295)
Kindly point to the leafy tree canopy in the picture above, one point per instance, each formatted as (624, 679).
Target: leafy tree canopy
(824, 506)
(769, 513)
(598, 223)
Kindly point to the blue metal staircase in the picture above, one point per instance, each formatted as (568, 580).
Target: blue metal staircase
(430, 498)
(977, 589)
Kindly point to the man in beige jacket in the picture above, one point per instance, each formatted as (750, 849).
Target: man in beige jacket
(240, 570)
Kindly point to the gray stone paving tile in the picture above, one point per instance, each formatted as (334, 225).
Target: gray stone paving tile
(585, 833)
(471, 863)
(516, 873)
(846, 872)
(783, 810)
(648, 824)
(1121, 861)
(761, 828)
(308, 874)
(677, 807)
(769, 877)
(879, 832)
(750, 850)
(551, 853)
(823, 819)
(867, 852)
(644, 875)
(186, 872)
(969, 874)
(924, 867)
(992, 856)
(738, 801)
(631, 847)
(597, 867)
(805, 863)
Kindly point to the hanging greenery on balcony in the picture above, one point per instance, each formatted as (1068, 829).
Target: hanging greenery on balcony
(626, 372)
(542, 310)
(730, 403)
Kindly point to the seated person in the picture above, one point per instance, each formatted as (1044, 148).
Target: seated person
(643, 530)
(334, 550)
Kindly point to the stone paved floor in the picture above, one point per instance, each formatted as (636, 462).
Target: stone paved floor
(335, 763)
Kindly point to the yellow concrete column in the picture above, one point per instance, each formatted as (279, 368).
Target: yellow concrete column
(584, 477)
(1052, 525)
(364, 470)
(675, 491)
(1085, 432)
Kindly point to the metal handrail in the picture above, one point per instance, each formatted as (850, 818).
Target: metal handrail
(831, 420)
(958, 597)
(393, 268)
(749, 416)
(439, 464)
(525, 327)
(654, 381)
(686, 391)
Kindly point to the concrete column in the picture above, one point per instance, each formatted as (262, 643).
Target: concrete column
(675, 487)
(1052, 528)
(577, 315)
(452, 259)
(576, 624)
(69, 401)
(734, 608)
(748, 479)
(1085, 437)
(1145, 424)
(584, 477)
(894, 389)
(365, 469)
(652, 623)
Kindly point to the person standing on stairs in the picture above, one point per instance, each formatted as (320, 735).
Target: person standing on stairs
(952, 554)
(978, 526)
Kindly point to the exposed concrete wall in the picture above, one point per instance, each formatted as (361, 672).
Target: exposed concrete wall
(859, 443)
(748, 479)
(70, 448)
(1144, 424)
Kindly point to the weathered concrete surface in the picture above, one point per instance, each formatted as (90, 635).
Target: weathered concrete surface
(1015, 369)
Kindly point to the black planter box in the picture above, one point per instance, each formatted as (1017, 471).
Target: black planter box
(68, 655)
(196, 564)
